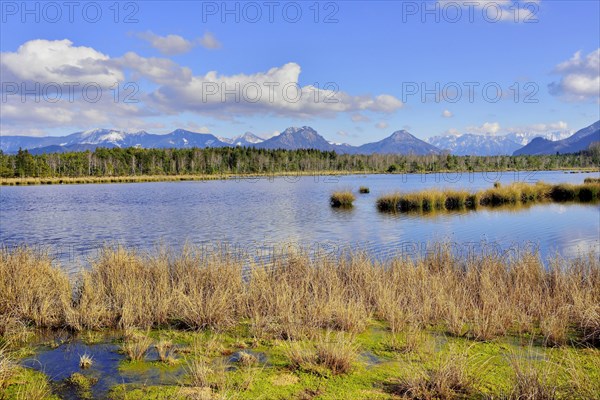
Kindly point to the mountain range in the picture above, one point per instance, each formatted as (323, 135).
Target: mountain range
(489, 145)
(580, 140)
(399, 142)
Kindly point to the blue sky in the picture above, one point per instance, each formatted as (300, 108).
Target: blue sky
(376, 57)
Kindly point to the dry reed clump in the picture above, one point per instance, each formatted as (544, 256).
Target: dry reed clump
(136, 347)
(295, 296)
(342, 199)
(591, 180)
(124, 289)
(7, 368)
(451, 377)
(32, 290)
(85, 361)
(247, 360)
(364, 190)
(202, 374)
(513, 194)
(332, 354)
(166, 351)
(530, 381)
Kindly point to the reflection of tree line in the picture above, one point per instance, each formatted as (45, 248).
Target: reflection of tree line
(104, 162)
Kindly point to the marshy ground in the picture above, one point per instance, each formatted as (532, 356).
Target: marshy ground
(192, 325)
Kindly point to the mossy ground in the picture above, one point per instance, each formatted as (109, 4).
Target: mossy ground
(384, 360)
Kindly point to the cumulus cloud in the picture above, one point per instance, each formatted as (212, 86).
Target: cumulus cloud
(360, 118)
(209, 41)
(58, 61)
(580, 77)
(175, 44)
(382, 125)
(490, 128)
(447, 114)
(161, 87)
(494, 128)
(451, 132)
(559, 126)
(276, 91)
(169, 45)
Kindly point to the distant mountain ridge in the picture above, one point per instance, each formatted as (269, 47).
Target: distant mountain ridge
(580, 140)
(293, 138)
(305, 137)
(488, 145)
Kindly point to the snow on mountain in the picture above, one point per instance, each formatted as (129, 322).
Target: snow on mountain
(489, 145)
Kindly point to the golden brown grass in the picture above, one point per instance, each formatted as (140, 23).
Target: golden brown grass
(335, 353)
(294, 296)
(136, 347)
(7, 368)
(513, 194)
(32, 289)
(451, 377)
(85, 361)
(342, 199)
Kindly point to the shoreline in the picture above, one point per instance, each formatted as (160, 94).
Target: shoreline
(32, 181)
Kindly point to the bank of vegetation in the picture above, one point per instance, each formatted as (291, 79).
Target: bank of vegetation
(440, 326)
(516, 193)
(136, 164)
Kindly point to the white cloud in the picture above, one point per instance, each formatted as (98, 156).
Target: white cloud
(58, 61)
(382, 125)
(275, 91)
(491, 128)
(175, 44)
(447, 114)
(559, 126)
(451, 132)
(494, 128)
(163, 87)
(170, 44)
(209, 41)
(580, 77)
(360, 118)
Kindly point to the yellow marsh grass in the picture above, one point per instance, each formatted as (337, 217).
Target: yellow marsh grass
(294, 296)
(513, 194)
(342, 199)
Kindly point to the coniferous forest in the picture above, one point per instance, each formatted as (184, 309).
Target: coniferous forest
(105, 162)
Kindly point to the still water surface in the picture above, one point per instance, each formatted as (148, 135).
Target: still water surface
(75, 220)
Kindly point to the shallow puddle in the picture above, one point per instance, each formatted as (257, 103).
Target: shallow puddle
(61, 362)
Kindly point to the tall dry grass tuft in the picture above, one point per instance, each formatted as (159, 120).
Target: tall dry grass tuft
(342, 199)
(296, 296)
(451, 377)
(530, 381)
(514, 194)
(7, 368)
(136, 347)
(336, 352)
(32, 289)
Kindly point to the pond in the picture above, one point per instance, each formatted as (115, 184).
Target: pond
(255, 214)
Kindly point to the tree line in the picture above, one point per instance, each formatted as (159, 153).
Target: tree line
(243, 160)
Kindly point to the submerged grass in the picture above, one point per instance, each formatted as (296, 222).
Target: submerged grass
(516, 193)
